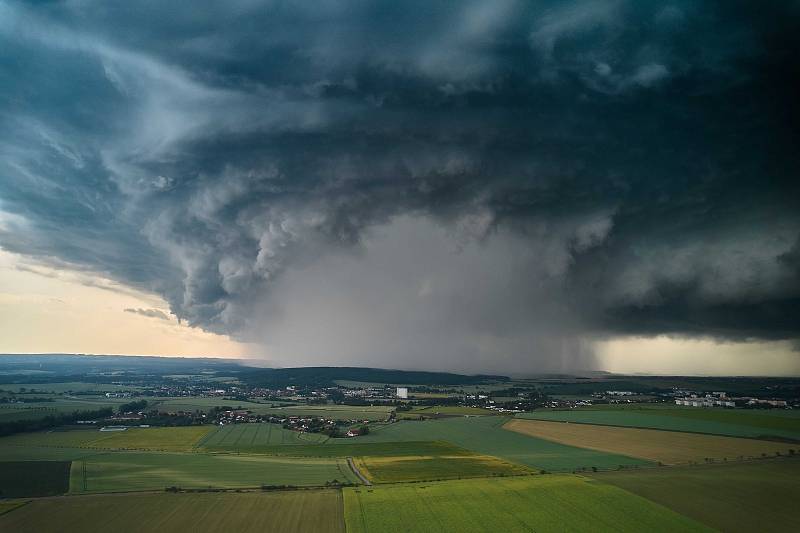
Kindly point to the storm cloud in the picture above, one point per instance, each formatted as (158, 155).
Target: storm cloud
(415, 183)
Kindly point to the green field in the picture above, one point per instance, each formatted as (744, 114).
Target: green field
(529, 503)
(130, 471)
(444, 410)
(22, 479)
(278, 512)
(732, 422)
(755, 496)
(250, 437)
(376, 449)
(427, 468)
(486, 436)
(342, 412)
(156, 438)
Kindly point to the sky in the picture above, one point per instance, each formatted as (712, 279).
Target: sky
(507, 186)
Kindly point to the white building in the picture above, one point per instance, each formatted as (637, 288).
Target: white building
(402, 392)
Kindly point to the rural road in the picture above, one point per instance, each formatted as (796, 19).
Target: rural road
(357, 472)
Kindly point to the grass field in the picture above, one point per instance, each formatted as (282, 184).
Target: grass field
(669, 447)
(485, 435)
(284, 512)
(23, 479)
(128, 471)
(246, 437)
(754, 496)
(733, 422)
(156, 438)
(426, 468)
(529, 503)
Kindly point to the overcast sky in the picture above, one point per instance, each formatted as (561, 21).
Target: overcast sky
(505, 186)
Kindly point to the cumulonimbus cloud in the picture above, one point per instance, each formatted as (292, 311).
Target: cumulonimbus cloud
(639, 157)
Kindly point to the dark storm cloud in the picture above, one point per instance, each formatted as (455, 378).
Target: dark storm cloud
(644, 155)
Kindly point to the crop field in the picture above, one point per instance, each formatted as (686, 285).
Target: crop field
(426, 468)
(156, 438)
(485, 435)
(247, 437)
(128, 471)
(336, 412)
(284, 512)
(735, 423)
(753, 496)
(447, 410)
(377, 449)
(22, 479)
(670, 447)
(529, 503)
(67, 386)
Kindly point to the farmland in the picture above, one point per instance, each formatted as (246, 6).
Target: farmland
(168, 439)
(358, 448)
(752, 496)
(529, 503)
(736, 423)
(128, 471)
(250, 437)
(424, 468)
(669, 447)
(485, 435)
(284, 512)
(33, 478)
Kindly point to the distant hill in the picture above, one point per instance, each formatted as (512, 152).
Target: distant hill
(322, 376)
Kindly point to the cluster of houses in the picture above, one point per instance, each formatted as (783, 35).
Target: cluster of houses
(721, 399)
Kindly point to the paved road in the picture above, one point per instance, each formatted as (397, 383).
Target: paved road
(357, 472)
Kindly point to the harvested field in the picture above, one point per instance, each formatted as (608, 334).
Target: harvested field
(751, 496)
(669, 447)
(528, 503)
(284, 512)
(422, 468)
(23, 479)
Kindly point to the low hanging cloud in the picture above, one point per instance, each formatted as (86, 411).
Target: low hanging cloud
(508, 179)
(150, 313)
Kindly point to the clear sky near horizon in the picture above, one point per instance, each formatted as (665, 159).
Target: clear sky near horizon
(473, 186)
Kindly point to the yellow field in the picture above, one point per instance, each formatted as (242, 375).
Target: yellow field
(174, 439)
(425, 468)
(669, 447)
